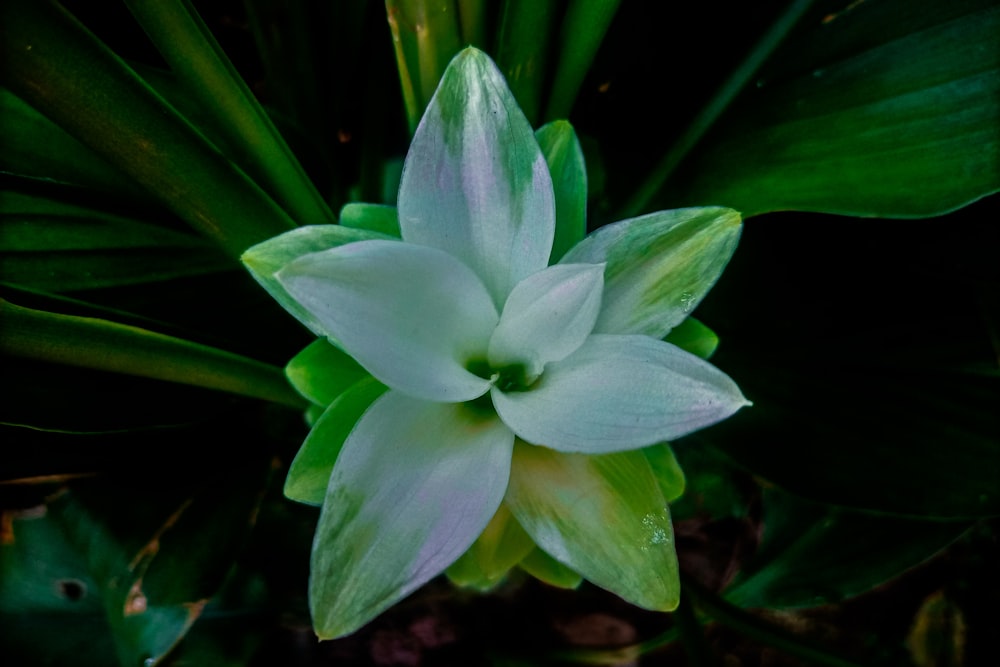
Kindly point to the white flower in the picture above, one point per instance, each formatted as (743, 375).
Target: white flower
(502, 371)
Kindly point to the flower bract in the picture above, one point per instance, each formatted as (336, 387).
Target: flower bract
(503, 398)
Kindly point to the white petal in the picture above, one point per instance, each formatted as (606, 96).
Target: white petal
(547, 316)
(413, 487)
(412, 316)
(617, 393)
(475, 182)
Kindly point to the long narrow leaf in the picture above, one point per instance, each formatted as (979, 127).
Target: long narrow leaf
(104, 345)
(50, 60)
(522, 50)
(193, 54)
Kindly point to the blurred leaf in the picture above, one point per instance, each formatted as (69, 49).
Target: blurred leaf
(522, 50)
(881, 109)
(104, 345)
(322, 372)
(582, 32)
(875, 385)
(203, 68)
(813, 555)
(373, 217)
(50, 245)
(694, 337)
(426, 36)
(51, 61)
(136, 573)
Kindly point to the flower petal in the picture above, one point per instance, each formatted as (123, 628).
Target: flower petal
(475, 183)
(547, 316)
(660, 266)
(309, 473)
(500, 547)
(321, 372)
(617, 393)
(265, 259)
(412, 316)
(603, 516)
(415, 484)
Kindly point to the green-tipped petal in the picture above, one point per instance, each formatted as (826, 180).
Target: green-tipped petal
(309, 473)
(603, 516)
(265, 259)
(547, 317)
(415, 484)
(475, 183)
(568, 170)
(412, 316)
(321, 372)
(618, 393)
(500, 547)
(659, 266)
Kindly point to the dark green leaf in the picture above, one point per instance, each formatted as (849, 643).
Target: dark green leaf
(813, 555)
(884, 109)
(51, 61)
(522, 50)
(564, 158)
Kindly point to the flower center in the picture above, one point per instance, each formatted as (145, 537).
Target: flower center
(512, 377)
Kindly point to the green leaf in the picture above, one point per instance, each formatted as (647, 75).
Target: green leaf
(813, 555)
(35, 147)
(885, 109)
(373, 217)
(522, 50)
(545, 568)
(267, 258)
(694, 337)
(659, 266)
(197, 60)
(581, 35)
(104, 345)
(50, 245)
(322, 372)
(499, 548)
(603, 516)
(564, 157)
(52, 62)
(309, 473)
(426, 36)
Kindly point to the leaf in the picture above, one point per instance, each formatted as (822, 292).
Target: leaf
(814, 555)
(55, 246)
(104, 345)
(875, 386)
(694, 337)
(522, 50)
(373, 217)
(499, 548)
(545, 568)
(668, 473)
(52, 62)
(884, 109)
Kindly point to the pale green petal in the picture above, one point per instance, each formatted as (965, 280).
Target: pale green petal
(475, 183)
(414, 485)
(412, 316)
(545, 568)
(309, 473)
(373, 217)
(500, 547)
(265, 259)
(666, 470)
(617, 393)
(547, 317)
(564, 156)
(660, 266)
(603, 516)
(321, 372)
(694, 337)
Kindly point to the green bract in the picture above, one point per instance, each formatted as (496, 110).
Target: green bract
(507, 394)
